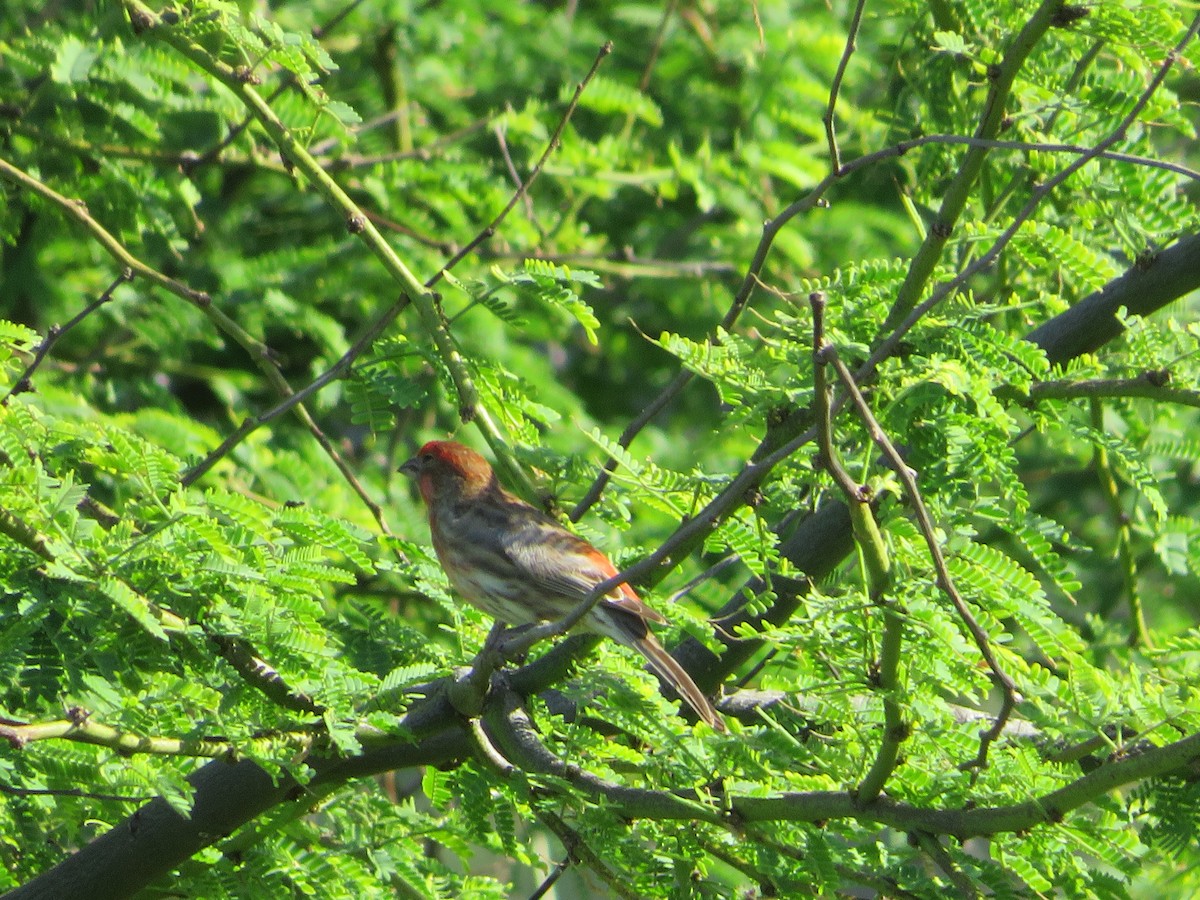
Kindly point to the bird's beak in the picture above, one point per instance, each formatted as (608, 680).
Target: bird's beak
(410, 468)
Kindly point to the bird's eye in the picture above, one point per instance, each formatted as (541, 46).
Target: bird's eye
(427, 457)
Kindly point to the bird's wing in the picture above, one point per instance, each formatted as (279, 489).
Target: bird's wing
(563, 563)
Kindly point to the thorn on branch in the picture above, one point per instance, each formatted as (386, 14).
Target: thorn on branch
(873, 678)
(1068, 15)
(141, 20)
(1158, 377)
(777, 415)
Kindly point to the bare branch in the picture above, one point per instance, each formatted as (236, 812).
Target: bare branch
(1148, 385)
(70, 792)
(81, 728)
(933, 848)
(873, 550)
(835, 156)
(1002, 680)
(55, 332)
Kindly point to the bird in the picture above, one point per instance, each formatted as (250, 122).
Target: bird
(520, 566)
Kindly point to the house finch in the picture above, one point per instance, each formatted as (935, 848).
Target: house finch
(519, 565)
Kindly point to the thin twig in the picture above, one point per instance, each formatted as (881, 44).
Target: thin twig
(322, 31)
(711, 572)
(426, 240)
(625, 265)
(933, 848)
(1002, 680)
(1053, 147)
(886, 677)
(490, 229)
(683, 378)
(70, 792)
(517, 738)
(354, 161)
(1139, 635)
(579, 851)
(554, 874)
(656, 45)
(486, 751)
(1148, 385)
(261, 675)
(80, 728)
(835, 156)
(192, 163)
(498, 131)
(829, 458)
(78, 211)
(337, 370)
(55, 332)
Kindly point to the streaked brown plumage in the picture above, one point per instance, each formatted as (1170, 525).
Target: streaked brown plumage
(516, 563)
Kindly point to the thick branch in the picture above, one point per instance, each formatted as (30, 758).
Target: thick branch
(155, 839)
(1151, 284)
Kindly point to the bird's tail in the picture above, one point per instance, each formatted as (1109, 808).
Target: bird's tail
(670, 671)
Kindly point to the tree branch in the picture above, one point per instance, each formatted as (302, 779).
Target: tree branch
(55, 332)
(874, 555)
(80, 728)
(835, 156)
(1000, 77)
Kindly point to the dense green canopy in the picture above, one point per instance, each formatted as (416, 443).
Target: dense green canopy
(859, 334)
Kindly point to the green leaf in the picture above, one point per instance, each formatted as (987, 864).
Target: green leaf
(137, 606)
(73, 62)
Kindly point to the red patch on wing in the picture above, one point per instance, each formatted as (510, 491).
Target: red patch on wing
(628, 599)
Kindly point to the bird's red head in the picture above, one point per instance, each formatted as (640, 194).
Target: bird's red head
(442, 466)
